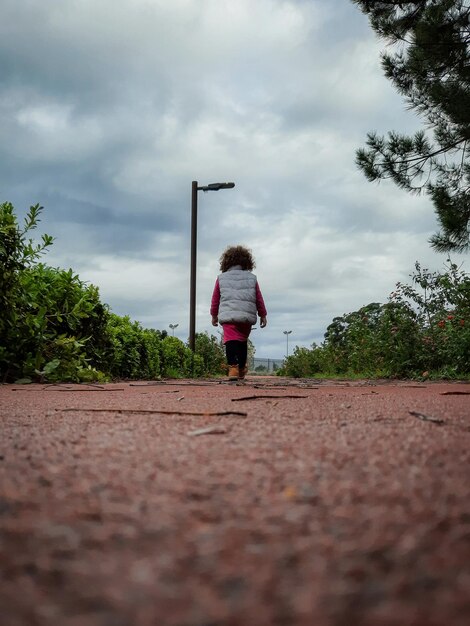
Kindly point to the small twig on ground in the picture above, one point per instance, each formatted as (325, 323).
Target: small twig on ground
(413, 386)
(455, 393)
(178, 383)
(101, 389)
(427, 418)
(271, 386)
(154, 412)
(290, 386)
(62, 387)
(387, 420)
(209, 430)
(161, 392)
(69, 385)
(265, 396)
(149, 384)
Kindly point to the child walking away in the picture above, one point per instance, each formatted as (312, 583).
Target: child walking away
(236, 301)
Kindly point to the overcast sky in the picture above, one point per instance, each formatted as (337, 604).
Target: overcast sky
(110, 108)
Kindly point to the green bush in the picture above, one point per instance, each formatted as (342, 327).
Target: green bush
(302, 363)
(424, 328)
(54, 327)
(178, 360)
(441, 303)
(133, 352)
(376, 340)
(52, 323)
(63, 319)
(211, 353)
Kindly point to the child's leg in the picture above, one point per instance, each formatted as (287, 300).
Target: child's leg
(231, 350)
(242, 358)
(237, 352)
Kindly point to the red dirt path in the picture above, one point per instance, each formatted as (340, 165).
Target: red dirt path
(337, 508)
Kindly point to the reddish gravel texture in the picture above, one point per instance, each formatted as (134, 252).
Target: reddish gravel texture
(338, 507)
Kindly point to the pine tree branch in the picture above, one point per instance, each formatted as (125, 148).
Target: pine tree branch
(445, 149)
(431, 69)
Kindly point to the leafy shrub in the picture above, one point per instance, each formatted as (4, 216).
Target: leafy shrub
(63, 319)
(52, 323)
(423, 328)
(211, 353)
(178, 360)
(54, 327)
(134, 352)
(304, 362)
(441, 303)
(378, 339)
(17, 253)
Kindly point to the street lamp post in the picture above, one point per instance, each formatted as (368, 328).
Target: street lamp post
(287, 333)
(173, 326)
(192, 293)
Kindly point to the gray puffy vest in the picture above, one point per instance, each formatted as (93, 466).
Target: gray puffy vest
(237, 296)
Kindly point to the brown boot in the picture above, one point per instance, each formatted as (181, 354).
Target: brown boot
(242, 372)
(233, 373)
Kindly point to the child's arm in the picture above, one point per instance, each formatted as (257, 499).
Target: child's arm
(215, 304)
(261, 307)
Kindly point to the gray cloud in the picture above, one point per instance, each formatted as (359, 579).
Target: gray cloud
(109, 110)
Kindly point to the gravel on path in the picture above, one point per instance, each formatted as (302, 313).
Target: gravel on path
(200, 503)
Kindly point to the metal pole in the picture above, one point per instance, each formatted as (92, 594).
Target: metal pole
(192, 294)
(287, 333)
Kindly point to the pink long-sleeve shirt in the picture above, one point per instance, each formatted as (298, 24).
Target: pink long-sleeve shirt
(238, 331)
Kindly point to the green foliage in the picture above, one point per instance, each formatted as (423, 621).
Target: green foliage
(431, 70)
(211, 353)
(423, 328)
(63, 319)
(134, 352)
(178, 360)
(56, 317)
(54, 327)
(51, 321)
(304, 362)
(375, 340)
(138, 352)
(441, 304)
(17, 253)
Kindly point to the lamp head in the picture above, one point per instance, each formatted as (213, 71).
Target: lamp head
(217, 186)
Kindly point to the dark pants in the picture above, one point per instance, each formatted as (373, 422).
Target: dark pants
(237, 352)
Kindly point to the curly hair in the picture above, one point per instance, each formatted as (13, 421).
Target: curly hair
(236, 255)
